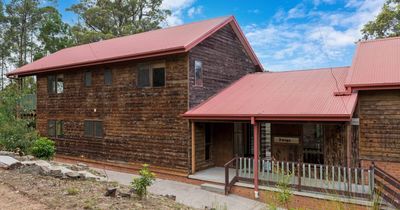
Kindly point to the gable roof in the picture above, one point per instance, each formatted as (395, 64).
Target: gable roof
(295, 95)
(165, 41)
(376, 64)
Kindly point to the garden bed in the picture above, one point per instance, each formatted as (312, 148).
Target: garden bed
(28, 191)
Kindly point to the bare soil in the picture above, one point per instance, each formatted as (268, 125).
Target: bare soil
(27, 191)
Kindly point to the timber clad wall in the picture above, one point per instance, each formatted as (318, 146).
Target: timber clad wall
(380, 126)
(224, 61)
(140, 124)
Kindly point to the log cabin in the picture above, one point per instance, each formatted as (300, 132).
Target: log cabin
(195, 97)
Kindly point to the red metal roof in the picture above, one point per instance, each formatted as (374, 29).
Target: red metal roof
(294, 95)
(376, 64)
(171, 40)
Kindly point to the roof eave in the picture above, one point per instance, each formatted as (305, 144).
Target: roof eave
(327, 118)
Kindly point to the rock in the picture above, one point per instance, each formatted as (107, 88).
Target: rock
(83, 166)
(172, 197)
(139, 205)
(8, 162)
(112, 192)
(73, 175)
(125, 194)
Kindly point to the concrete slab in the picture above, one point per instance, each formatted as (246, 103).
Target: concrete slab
(191, 195)
(215, 174)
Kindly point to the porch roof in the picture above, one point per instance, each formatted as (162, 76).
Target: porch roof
(307, 95)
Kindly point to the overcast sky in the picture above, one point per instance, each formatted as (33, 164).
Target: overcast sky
(286, 34)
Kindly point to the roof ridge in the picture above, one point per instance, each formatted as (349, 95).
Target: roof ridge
(160, 29)
(379, 39)
(314, 69)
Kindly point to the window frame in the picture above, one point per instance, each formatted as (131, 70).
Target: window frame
(85, 79)
(53, 90)
(93, 134)
(195, 75)
(151, 67)
(55, 131)
(109, 81)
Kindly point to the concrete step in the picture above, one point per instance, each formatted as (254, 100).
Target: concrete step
(214, 188)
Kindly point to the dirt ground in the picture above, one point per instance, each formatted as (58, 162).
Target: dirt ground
(26, 191)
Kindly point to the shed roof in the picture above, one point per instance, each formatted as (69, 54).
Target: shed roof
(376, 64)
(294, 95)
(171, 40)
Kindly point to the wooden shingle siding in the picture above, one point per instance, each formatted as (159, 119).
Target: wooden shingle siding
(224, 61)
(379, 113)
(140, 124)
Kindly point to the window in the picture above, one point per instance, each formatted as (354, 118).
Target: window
(55, 84)
(93, 129)
(88, 79)
(158, 77)
(198, 73)
(107, 77)
(151, 75)
(207, 142)
(55, 128)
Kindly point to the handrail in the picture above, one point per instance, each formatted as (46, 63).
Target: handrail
(228, 184)
(389, 193)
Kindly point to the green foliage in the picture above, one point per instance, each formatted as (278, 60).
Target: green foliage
(15, 133)
(285, 191)
(72, 191)
(104, 19)
(145, 180)
(386, 24)
(43, 148)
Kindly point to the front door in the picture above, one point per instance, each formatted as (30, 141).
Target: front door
(223, 143)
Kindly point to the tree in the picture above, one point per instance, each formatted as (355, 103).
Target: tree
(104, 19)
(386, 24)
(4, 46)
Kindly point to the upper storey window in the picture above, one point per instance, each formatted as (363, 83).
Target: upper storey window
(55, 84)
(88, 78)
(198, 73)
(107, 76)
(151, 75)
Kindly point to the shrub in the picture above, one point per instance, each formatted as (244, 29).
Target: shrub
(72, 191)
(145, 180)
(43, 148)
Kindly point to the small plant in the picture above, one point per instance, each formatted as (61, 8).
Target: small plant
(72, 191)
(43, 148)
(145, 180)
(285, 191)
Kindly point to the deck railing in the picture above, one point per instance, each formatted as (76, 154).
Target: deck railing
(338, 180)
(386, 186)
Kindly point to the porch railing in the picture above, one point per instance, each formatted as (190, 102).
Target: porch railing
(386, 186)
(358, 182)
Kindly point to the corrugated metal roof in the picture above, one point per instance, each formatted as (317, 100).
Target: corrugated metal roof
(376, 64)
(148, 44)
(294, 95)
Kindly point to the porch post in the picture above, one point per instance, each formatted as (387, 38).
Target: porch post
(255, 168)
(348, 145)
(193, 147)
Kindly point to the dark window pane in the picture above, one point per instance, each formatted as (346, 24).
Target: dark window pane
(60, 83)
(99, 129)
(88, 78)
(207, 142)
(158, 77)
(88, 128)
(51, 128)
(51, 84)
(107, 77)
(198, 73)
(143, 76)
(59, 128)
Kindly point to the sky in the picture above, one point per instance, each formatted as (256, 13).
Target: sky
(285, 34)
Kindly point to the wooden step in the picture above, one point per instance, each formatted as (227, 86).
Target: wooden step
(220, 189)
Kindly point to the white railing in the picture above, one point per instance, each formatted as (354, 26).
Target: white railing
(310, 177)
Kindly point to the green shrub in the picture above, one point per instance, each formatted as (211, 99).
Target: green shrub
(145, 180)
(43, 148)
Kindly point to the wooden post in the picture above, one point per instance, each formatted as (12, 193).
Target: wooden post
(348, 140)
(299, 166)
(255, 168)
(193, 147)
